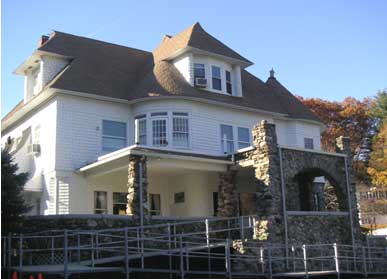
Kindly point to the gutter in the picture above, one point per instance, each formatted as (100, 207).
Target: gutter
(150, 153)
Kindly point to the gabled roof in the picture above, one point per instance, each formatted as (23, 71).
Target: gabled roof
(120, 72)
(194, 36)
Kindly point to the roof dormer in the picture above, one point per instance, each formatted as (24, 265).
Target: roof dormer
(39, 69)
(203, 61)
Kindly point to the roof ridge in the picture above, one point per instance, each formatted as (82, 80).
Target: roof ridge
(99, 41)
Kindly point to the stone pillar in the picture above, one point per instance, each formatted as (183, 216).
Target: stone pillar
(133, 206)
(343, 145)
(227, 195)
(268, 178)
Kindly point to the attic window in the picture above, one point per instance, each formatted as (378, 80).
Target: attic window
(216, 78)
(199, 71)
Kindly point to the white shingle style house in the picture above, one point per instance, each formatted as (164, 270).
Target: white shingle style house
(187, 107)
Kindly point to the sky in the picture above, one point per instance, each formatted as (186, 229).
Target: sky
(324, 49)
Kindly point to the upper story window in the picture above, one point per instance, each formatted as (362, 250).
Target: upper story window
(159, 129)
(308, 143)
(113, 135)
(228, 82)
(140, 123)
(216, 78)
(36, 135)
(35, 80)
(180, 130)
(199, 71)
(243, 137)
(227, 138)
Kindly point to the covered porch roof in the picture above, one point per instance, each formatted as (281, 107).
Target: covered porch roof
(158, 158)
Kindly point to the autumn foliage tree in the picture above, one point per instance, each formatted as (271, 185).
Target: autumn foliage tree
(347, 118)
(377, 169)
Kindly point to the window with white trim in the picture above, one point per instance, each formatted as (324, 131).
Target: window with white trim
(228, 82)
(113, 135)
(216, 78)
(100, 202)
(199, 71)
(36, 135)
(154, 204)
(159, 129)
(141, 129)
(119, 203)
(243, 137)
(227, 138)
(180, 130)
(308, 143)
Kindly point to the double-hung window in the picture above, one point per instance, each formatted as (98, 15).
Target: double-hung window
(119, 203)
(227, 139)
(180, 132)
(154, 204)
(159, 129)
(100, 202)
(140, 122)
(308, 143)
(243, 137)
(199, 71)
(216, 78)
(228, 82)
(113, 135)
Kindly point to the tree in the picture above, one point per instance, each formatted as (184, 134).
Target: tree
(347, 118)
(13, 205)
(379, 108)
(377, 169)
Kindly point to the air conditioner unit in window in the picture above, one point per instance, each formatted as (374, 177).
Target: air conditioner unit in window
(200, 82)
(33, 149)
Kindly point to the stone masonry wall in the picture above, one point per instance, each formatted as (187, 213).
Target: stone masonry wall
(133, 206)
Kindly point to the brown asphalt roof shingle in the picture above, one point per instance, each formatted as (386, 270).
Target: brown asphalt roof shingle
(116, 71)
(194, 36)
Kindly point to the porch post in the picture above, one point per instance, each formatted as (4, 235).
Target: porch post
(227, 195)
(135, 206)
(270, 201)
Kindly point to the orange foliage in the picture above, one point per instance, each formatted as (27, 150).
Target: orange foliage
(347, 118)
(378, 163)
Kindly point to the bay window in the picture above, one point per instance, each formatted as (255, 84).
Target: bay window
(180, 130)
(308, 143)
(243, 137)
(159, 129)
(227, 139)
(140, 123)
(113, 135)
(228, 82)
(216, 78)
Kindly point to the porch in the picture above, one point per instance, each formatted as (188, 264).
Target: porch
(175, 184)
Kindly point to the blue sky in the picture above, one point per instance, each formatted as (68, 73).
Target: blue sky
(326, 49)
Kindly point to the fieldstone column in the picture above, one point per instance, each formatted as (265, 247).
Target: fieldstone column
(227, 195)
(343, 145)
(268, 178)
(133, 206)
(267, 168)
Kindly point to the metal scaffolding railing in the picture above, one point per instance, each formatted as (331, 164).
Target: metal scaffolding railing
(202, 247)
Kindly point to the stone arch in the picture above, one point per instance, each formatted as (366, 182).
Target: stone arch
(312, 195)
(299, 170)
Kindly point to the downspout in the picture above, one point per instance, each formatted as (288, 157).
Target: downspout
(284, 205)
